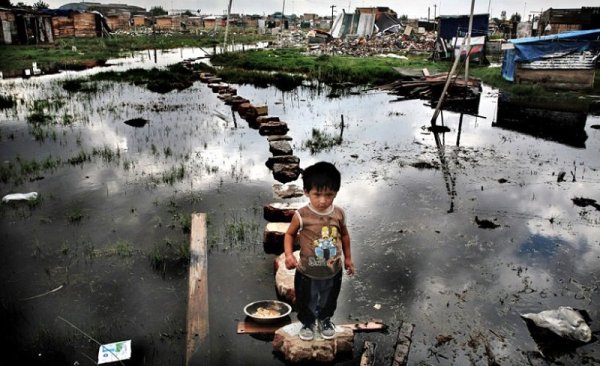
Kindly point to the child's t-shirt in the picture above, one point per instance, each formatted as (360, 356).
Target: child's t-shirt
(320, 239)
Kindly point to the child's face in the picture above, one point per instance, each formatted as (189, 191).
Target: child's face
(321, 199)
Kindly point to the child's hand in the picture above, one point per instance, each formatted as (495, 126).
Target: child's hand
(349, 266)
(290, 261)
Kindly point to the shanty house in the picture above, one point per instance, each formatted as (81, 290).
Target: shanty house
(364, 22)
(554, 21)
(566, 60)
(453, 26)
(23, 26)
(67, 23)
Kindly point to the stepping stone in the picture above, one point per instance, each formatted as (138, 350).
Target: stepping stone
(280, 211)
(264, 119)
(279, 148)
(294, 349)
(279, 138)
(287, 191)
(256, 111)
(204, 76)
(285, 173)
(273, 237)
(282, 159)
(273, 128)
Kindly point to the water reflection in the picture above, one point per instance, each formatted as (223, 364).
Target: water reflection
(437, 270)
(546, 122)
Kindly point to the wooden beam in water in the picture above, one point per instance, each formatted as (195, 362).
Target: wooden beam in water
(197, 311)
(403, 344)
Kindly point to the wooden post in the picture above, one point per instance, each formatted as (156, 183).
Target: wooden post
(197, 311)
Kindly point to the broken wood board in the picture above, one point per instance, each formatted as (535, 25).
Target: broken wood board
(197, 311)
(403, 344)
(368, 356)
(249, 326)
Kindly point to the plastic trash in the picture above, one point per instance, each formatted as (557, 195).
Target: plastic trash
(31, 196)
(565, 322)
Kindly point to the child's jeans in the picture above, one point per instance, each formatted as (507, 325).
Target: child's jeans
(316, 299)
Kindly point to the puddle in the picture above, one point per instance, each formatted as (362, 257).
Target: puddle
(115, 197)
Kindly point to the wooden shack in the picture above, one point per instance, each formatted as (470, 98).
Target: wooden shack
(563, 61)
(23, 26)
(84, 25)
(119, 21)
(554, 21)
(168, 23)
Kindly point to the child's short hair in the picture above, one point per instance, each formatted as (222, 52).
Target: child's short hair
(320, 176)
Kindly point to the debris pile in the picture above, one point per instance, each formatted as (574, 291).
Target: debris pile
(374, 45)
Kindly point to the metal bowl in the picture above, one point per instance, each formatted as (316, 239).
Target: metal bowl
(282, 309)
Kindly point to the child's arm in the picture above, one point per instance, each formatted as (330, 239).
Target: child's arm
(288, 243)
(348, 264)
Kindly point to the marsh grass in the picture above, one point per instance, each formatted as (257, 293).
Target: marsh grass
(121, 248)
(239, 231)
(169, 254)
(321, 140)
(74, 215)
(173, 175)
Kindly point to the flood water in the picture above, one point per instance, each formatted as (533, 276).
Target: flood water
(114, 198)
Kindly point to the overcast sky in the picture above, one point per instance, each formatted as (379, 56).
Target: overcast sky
(412, 8)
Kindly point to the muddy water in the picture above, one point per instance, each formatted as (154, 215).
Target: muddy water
(411, 206)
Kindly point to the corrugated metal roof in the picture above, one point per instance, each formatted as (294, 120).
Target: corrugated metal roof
(579, 61)
(365, 25)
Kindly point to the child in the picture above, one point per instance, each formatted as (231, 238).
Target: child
(320, 228)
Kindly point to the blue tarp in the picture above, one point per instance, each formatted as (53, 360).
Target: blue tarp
(535, 48)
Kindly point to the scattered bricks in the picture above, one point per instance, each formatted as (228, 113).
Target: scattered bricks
(285, 173)
(278, 148)
(273, 237)
(284, 278)
(273, 128)
(283, 159)
(280, 212)
(224, 96)
(279, 138)
(294, 349)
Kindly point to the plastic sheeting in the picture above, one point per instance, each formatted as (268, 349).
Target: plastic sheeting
(556, 45)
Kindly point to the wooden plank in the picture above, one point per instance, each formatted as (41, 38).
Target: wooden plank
(249, 326)
(403, 344)
(197, 312)
(368, 356)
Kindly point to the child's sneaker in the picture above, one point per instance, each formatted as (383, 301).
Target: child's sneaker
(327, 329)
(306, 333)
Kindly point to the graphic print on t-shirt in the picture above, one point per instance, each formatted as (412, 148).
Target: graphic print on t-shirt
(325, 248)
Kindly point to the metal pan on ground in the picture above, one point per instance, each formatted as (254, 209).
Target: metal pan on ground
(267, 311)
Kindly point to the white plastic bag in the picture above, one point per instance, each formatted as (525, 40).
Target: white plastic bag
(565, 322)
(31, 196)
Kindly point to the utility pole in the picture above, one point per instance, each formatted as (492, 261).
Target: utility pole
(226, 26)
(332, 6)
(282, 19)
